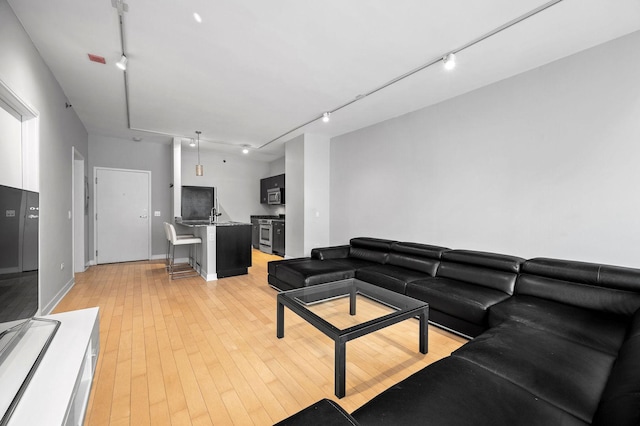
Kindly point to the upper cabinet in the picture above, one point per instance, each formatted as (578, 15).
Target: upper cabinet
(269, 183)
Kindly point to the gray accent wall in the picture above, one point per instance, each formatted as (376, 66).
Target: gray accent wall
(545, 163)
(25, 73)
(149, 156)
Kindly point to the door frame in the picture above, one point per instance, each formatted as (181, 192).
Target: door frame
(95, 207)
(78, 210)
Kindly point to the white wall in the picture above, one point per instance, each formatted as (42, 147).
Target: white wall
(236, 179)
(294, 187)
(277, 167)
(25, 73)
(541, 164)
(307, 186)
(316, 191)
(10, 148)
(125, 154)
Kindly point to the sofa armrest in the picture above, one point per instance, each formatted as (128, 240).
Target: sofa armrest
(324, 412)
(326, 253)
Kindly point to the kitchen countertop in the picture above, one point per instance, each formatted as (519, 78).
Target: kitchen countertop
(198, 223)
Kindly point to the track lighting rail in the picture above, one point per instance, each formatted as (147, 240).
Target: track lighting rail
(424, 66)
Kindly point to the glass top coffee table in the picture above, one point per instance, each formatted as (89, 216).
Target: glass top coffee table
(303, 300)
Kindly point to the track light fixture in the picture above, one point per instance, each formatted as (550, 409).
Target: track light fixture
(245, 149)
(326, 117)
(192, 143)
(199, 168)
(449, 61)
(122, 63)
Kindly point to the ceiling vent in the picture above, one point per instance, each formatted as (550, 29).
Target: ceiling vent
(96, 58)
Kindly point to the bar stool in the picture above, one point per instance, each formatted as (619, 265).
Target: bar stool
(182, 270)
(167, 234)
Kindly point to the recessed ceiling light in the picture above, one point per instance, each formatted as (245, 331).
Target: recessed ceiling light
(245, 149)
(197, 17)
(325, 117)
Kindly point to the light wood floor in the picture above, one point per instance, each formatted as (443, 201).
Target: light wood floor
(190, 352)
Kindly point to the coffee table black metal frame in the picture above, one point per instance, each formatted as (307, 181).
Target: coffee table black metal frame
(405, 307)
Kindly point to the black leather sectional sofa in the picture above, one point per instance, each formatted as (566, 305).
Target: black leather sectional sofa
(554, 342)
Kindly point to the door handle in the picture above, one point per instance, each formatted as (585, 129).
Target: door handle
(143, 216)
(32, 216)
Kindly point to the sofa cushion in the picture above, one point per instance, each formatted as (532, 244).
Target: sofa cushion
(605, 288)
(323, 412)
(620, 402)
(611, 300)
(272, 267)
(478, 276)
(418, 249)
(453, 391)
(334, 252)
(373, 256)
(389, 276)
(499, 262)
(312, 271)
(601, 331)
(374, 250)
(457, 298)
(354, 263)
(568, 375)
(369, 243)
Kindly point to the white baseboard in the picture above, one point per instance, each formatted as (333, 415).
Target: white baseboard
(46, 310)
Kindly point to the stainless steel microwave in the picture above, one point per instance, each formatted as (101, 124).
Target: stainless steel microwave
(275, 196)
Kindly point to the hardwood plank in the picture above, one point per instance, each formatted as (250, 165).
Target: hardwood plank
(194, 352)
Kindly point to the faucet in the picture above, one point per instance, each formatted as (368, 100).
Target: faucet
(213, 215)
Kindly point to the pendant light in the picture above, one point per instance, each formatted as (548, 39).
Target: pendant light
(199, 168)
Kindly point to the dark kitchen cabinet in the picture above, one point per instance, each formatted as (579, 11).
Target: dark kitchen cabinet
(277, 244)
(269, 183)
(255, 232)
(233, 250)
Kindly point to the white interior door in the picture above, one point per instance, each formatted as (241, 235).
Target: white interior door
(122, 215)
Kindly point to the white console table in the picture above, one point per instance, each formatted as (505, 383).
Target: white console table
(59, 390)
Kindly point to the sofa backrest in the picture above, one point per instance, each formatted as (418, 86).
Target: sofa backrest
(371, 249)
(605, 288)
(620, 401)
(493, 270)
(420, 257)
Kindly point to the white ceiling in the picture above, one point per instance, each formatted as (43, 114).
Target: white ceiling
(255, 69)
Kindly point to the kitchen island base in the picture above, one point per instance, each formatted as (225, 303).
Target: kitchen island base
(225, 250)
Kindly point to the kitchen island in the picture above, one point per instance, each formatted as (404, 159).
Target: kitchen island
(225, 249)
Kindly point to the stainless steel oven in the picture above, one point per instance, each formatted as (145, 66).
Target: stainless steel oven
(266, 235)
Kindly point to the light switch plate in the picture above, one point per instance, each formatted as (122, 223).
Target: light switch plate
(156, 213)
